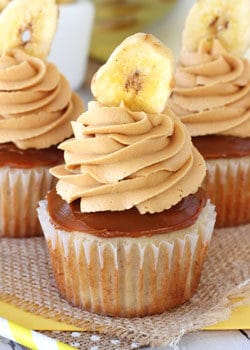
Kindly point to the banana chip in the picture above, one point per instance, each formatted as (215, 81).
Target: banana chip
(139, 73)
(29, 25)
(225, 20)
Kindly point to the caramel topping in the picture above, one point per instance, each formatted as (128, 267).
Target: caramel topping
(14, 157)
(128, 223)
(218, 146)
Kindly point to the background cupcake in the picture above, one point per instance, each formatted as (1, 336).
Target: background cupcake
(128, 213)
(212, 97)
(36, 107)
(117, 19)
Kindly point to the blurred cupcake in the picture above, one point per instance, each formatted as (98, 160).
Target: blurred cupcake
(117, 19)
(212, 97)
(128, 226)
(36, 107)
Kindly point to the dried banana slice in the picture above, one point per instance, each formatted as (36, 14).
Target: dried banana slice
(139, 72)
(30, 25)
(226, 20)
(3, 4)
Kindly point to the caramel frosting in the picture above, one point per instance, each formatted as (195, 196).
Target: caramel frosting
(121, 159)
(36, 102)
(212, 94)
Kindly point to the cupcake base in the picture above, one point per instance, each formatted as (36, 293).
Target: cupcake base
(127, 276)
(20, 192)
(228, 186)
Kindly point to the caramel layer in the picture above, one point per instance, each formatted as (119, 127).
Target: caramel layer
(218, 146)
(14, 157)
(127, 223)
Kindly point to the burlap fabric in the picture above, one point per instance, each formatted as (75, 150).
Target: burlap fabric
(26, 281)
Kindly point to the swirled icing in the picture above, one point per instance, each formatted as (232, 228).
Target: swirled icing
(212, 93)
(121, 159)
(36, 102)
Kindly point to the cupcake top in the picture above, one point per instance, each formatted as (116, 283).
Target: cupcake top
(36, 102)
(212, 93)
(130, 154)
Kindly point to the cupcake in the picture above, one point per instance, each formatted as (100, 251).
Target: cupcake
(116, 19)
(212, 98)
(36, 107)
(128, 225)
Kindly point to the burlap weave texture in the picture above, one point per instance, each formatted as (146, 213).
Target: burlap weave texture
(26, 281)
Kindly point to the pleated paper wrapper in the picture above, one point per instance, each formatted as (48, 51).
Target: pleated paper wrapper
(20, 192)
(128, 276)
(228, 186)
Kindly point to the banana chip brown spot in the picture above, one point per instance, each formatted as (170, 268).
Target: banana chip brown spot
(218, 24)
(213, 24)
(134, 82)
(214, 21)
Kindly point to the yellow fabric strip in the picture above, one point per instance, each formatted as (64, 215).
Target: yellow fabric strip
(239, 319)
(23, 336)
(31, 321)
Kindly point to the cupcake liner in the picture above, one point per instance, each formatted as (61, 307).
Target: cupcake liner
(126, 276)
(228, 186)
(20, 192)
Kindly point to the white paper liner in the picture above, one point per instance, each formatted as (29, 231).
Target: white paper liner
(20, 192)
(128, 276)
(228, 186)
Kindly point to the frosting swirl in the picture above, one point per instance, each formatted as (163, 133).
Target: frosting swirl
(36, 102)
(212, 94)
(121, 159)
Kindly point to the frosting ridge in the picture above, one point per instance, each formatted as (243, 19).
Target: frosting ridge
(36, 102)
(212, 93)
(121, 159)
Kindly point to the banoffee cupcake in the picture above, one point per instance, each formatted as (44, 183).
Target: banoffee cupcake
(128, 226)
(212, 97)
(36, 107)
